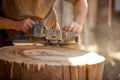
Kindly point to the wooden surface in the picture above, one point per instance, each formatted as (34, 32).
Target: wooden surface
(49, 63)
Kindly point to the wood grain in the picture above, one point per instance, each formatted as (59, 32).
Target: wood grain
(48, 63)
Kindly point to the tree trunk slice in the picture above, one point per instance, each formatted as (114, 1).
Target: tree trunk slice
(49, 63)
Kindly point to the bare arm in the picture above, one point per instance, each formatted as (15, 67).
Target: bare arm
(7, 23)
(23, 25)
(79, 12)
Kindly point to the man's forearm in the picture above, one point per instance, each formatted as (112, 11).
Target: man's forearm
(80, 9)
(24, 25)
(7, 23)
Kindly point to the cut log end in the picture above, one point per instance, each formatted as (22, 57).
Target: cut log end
(49, 63)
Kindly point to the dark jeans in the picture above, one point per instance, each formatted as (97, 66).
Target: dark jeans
(3, 39)
(6, 43)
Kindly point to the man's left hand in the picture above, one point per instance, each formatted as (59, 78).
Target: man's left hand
(72, 26)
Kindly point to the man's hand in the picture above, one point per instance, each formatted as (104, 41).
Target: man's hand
(79, 14)
(72, 26)
(24, 25)
(80, 8)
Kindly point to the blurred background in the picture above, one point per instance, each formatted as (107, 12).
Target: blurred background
(101, 31)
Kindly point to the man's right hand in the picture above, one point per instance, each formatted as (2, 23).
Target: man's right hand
(24, 25)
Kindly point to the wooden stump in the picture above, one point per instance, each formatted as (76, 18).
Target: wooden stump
(49, 63)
